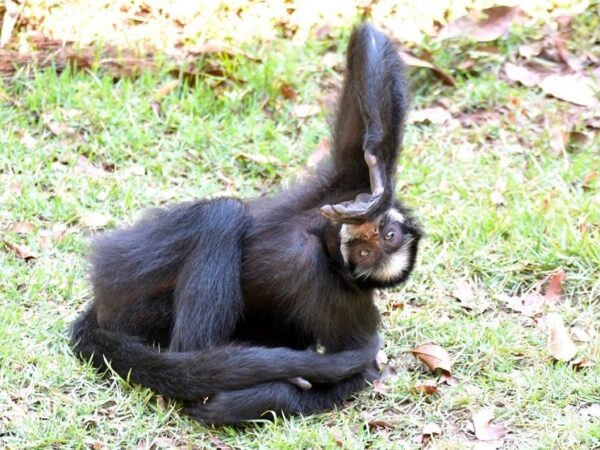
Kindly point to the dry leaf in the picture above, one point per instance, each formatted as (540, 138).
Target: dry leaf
(21, 251)
(380, 424)
(380, 387)
(434, 357)
(166, 89)
(525, 76)
(427, 388)
(22, 227)
(592, 410)
(554, 289)
(484, 429)
(497, 198)
(574, 88)
(565, 56)
(429, 430)
(94, 220)
(446, 378)
(57, 128)
(28, 141)
(529, 305)
(59, 230)
(412, 61)
(44, 240)
(258, 158)
(389, 373)
(157, 109)
(287, 91)
(437, 115)
(303, 111)
(464, 293)
(577, 138)
(527, 51)
(561, 346)
(11, 14)
(580, 334)
(218, 443)
(581, 362)
(482, 26)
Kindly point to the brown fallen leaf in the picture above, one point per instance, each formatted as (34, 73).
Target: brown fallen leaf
(592, 410)
(434, 357)
(446, 378)
(28, 141)
(521, 74)
(22, 227)
(375, 424)
(21, 251)
(44, 240)
(429, 430)
(580, 334)
(218, 443)
(483, 26)
(156, 107)
(464, 293)
(380, 388)
(57, 128)
(574, 88)
(497, 198)
(581, 362)
(413, 61)
(59, 230)
(166, 89)
(566, 56)
(427, 388)
(94, 220)
(435, 115)
(529, 305)
(259, 158)
(561, 347)
(287, 91)
(11, 14)
(389, 373)
(303, 111)
(554, 289)
(483, 428)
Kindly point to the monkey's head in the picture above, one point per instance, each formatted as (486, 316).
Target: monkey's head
(381, 253)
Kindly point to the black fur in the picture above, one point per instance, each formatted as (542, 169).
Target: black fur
(228, 300)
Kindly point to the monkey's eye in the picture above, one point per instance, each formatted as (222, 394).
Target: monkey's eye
(364, 253)
(390, 235)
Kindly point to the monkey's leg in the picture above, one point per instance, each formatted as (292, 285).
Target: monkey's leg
(208, 296)
(358, 210)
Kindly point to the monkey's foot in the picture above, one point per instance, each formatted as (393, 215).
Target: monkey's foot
(359, 209)
(353, 211)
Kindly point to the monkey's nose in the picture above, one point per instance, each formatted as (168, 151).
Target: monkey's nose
(367, 231)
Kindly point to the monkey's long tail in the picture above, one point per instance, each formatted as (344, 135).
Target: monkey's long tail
(194, 375)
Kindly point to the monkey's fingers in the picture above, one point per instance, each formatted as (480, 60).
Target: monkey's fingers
(300, 382)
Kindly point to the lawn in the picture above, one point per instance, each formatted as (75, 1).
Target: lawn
(504, 178)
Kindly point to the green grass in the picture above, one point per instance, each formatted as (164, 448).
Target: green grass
(550, 220)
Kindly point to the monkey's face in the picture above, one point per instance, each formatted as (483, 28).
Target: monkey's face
(380, 253)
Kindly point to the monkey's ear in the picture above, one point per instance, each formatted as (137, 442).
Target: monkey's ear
(369, 123)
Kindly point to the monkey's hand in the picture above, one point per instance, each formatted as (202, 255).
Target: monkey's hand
(359, 209)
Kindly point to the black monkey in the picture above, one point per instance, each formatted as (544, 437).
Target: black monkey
(222, 303)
